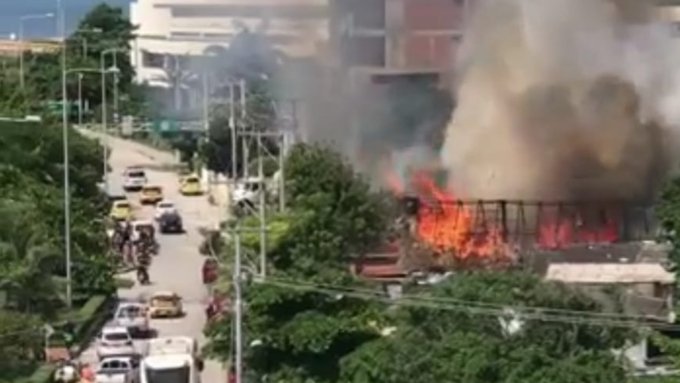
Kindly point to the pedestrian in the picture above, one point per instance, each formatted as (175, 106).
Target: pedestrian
(87, 373)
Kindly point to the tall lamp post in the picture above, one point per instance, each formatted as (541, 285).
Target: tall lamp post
(67, 196)
(22, 20)
(104, 111)
(84, 38)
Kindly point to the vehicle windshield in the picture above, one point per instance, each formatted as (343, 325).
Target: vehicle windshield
(116, 336)
(136, 174)
(130, 312)
(168, 375)
(192, 180)
(123, 205)
(166, 205)
(153, 189)
(163, 301)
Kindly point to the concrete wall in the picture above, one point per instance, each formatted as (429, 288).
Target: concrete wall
(298, 28)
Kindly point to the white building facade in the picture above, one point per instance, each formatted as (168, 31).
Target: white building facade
(298, 28)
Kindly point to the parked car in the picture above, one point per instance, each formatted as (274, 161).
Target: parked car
(170, 222)
(115, 341)
(164, 206)
(124, 369)
(165, 304)
(132, 316)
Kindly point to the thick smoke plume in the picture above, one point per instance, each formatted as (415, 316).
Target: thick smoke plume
(564, 100)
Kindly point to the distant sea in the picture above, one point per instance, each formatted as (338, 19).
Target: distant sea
(12, 10)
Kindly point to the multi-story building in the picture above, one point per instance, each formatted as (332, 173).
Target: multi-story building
(188, 27)
(398, 37)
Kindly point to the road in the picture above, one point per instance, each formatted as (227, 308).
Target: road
(178, 266)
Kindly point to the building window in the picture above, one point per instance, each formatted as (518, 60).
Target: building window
(368, 14)
(364, 51)
(152, 60)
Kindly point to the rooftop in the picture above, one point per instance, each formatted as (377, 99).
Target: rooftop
(608, 273)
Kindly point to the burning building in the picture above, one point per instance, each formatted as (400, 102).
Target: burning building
(562, 134)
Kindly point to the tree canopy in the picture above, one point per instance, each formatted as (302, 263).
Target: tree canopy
(311, 320)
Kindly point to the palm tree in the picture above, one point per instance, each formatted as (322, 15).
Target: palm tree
(179, 76)
(28, 260)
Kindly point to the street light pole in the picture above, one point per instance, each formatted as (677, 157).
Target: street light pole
(116, 117)
(22, 43)
(80, 99)
(104, 127)
(105, 130)
(67, 183)
(238, 306)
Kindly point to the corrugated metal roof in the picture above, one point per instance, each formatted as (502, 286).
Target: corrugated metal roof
(597, 273)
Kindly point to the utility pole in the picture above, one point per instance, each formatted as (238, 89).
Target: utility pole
(262, 205)
(80, 99)
(116, 112)
(232, 127)
(244, 140)
(238, 306)
(262, 209)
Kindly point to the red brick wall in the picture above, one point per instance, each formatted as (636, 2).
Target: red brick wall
(431, 15)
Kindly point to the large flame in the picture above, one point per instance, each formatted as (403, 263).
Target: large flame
(449, 227)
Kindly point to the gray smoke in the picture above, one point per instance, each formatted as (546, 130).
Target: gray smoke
(564, 99)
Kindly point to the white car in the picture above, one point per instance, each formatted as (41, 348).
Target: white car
(122, 369)
(165, 206)
(134, 179)
(247, 192)
(115, 341)
(132, 316)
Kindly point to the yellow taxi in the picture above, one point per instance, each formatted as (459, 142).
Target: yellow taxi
(190, 185)
(165, 304)
(121, 210)
(151, 194)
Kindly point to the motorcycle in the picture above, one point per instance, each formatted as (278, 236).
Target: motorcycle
(143, 275)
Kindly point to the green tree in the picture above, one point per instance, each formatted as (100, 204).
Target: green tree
(304, 334)
(456, 343)
(668, 211)
(20, 343)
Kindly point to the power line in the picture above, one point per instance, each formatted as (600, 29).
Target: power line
(487, 309)
(448, 300)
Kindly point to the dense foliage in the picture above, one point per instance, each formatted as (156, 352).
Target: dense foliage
(333, 217)
(310, 320)
(103, 28)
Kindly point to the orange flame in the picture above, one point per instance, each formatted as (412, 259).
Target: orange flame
(450, 227)
(556, 233)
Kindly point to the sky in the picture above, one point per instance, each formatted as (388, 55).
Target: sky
(12, 10)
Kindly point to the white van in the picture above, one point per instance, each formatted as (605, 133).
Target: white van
(171, 360)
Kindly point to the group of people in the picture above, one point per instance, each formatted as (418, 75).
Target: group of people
(136, 246)
(73, 372)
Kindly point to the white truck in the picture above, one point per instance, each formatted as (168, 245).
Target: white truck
(118, 370)
(171, 359)
(134, 178)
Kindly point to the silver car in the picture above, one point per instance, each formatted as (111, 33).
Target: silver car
(133, 316)
(123, 369)
(115, 341)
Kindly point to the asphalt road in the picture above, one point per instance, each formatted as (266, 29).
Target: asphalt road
(178, 266)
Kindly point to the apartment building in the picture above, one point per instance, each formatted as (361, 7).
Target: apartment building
(398, 37)
(299, 28)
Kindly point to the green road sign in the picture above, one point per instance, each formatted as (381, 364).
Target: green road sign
(166, 126)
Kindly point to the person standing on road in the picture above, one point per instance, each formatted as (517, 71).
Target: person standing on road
(87, 373)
